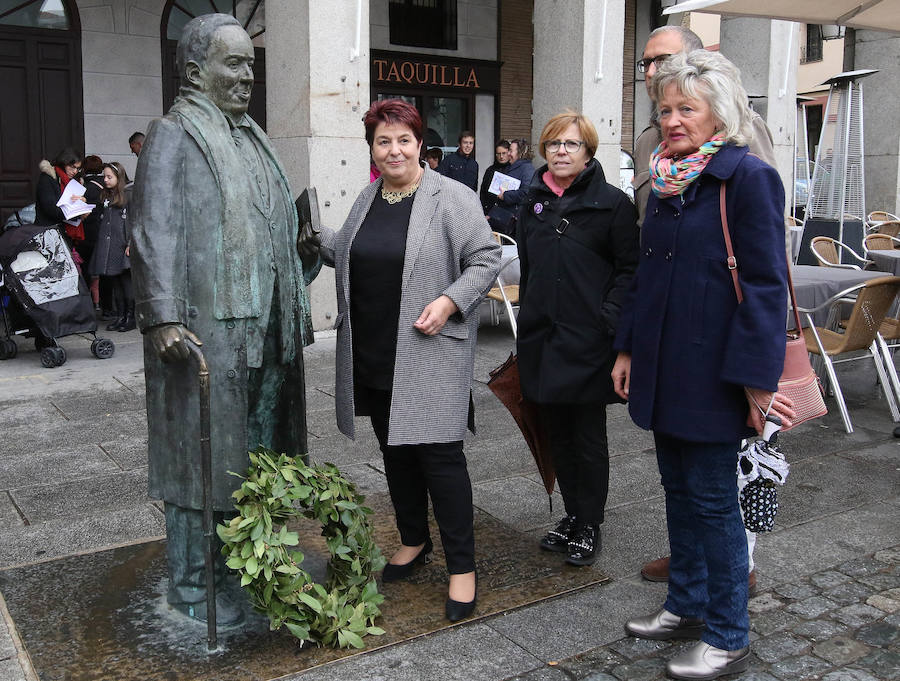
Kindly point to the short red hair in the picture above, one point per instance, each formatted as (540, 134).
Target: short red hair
(392, 112)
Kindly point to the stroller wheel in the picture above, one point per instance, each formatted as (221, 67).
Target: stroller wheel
(103, 348)
(8, 349)
(48, 358)
(60, 355)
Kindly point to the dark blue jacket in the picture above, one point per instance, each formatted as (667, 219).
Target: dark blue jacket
(460, 168)
(693, 348)
(523, 171)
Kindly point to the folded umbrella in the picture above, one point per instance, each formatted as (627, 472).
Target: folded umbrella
(504, 383)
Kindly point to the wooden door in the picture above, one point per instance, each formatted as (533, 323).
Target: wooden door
(41, 110)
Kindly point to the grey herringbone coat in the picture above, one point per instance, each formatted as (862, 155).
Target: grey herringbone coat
(450, 251)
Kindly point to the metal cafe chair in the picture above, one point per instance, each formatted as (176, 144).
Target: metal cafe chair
(825, 250)
(504, 292)
(873, 300)
(889, 228)
(876, 217)
(879, 242)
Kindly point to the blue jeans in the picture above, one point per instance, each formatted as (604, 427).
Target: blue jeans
(709, 566)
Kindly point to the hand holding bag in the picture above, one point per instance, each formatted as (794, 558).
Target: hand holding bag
(798, 381)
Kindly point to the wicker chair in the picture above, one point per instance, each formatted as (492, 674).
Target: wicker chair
(880, 242)
(878, 216)
(888, 228)
(791, 221)
(874, 299)
(505, 294)
(825, 250)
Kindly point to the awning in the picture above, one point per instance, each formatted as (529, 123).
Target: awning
(879, 15)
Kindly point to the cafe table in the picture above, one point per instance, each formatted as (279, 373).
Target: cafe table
(814, 284)
(886, 261)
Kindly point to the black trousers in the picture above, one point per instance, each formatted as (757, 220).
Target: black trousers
(577, 434)
(416, 471)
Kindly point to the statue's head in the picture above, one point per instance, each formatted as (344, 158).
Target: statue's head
(215, 57)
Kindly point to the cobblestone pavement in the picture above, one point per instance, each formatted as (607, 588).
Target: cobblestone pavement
(73, 479)
(840, 624)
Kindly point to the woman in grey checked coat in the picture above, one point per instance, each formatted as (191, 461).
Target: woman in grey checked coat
(412, 263)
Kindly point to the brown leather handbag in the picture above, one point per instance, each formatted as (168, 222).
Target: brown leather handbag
(798, 381)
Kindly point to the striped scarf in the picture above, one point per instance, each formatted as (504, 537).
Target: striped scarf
(670, 176)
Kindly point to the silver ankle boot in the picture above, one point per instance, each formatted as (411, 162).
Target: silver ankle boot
(663, 625)
(703, 662)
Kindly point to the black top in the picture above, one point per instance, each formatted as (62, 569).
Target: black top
(376, 276)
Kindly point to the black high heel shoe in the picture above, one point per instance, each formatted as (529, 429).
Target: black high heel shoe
(456, 611)
(393, 572)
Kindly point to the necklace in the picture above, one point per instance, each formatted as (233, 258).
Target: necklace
(397, 197)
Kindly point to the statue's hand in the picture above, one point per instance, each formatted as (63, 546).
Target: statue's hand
(308, 241)
(169, 342)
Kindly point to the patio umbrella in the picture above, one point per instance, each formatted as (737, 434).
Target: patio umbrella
(878, 15)
(504, 383)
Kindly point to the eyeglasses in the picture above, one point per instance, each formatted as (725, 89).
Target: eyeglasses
(644, 64)
(571, 146)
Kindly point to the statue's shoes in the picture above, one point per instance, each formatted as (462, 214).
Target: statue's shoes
(229, 612)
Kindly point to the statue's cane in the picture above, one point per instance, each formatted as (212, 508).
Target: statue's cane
(209, 532)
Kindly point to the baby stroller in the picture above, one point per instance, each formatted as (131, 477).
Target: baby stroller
(42, 295)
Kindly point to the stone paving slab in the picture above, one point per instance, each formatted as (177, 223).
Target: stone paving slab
(459, 654)
(95, 494)
(82, 461)
(67, 535)
(9, 514)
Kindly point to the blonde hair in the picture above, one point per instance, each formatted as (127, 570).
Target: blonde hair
(557, 125)
(711, 77)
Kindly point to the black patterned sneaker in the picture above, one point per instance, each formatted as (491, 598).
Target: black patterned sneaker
(557, 539)
(584, 544)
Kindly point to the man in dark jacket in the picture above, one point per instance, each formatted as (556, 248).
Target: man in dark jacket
(500, 164)
(461, 165)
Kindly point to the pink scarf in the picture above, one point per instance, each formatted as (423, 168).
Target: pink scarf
(670, 176)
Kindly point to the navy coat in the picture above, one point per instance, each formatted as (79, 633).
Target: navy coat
(693, 348)
(460, 168)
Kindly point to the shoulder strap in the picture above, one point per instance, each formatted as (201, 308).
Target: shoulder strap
(732, 262)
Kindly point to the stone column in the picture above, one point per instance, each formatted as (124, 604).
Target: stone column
(766, 51)
(881, 92)
(578, 64)
(317, 90)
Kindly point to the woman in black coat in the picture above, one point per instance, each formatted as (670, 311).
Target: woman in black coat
(578, 247)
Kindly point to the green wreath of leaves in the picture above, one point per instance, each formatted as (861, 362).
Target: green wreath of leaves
(257, 546)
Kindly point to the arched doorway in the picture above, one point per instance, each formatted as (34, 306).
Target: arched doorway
(41, 108)
(251, 14)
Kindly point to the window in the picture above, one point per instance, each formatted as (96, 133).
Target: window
(423, 23)
(251, 14)
(35, 14)
(812, 51)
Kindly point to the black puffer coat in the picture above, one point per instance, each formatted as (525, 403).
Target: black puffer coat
(578, 255)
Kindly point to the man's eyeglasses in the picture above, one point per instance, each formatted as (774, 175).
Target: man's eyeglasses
(572, 146)
(644, 64)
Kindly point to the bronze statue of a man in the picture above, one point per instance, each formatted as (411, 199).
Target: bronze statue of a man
(215, 261)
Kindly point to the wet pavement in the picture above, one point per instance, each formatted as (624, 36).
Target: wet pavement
(73, 481)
